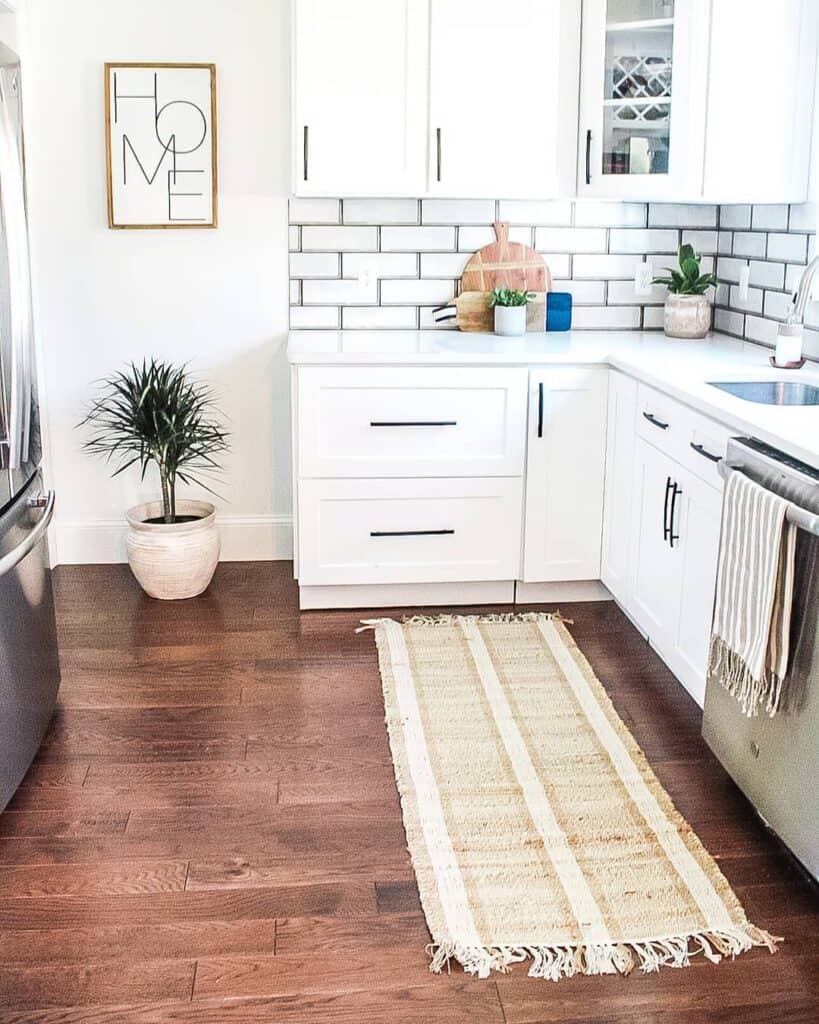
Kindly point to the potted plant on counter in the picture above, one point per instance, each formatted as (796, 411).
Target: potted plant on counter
(687, 309)
(510, 310)
(156, 413)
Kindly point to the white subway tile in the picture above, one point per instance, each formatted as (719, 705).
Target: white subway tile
(415, 239)
(293, 238)
(722, 294)
(681, 215)
(622, 293)
(728, 321)
(335, 239)
(812, 314)
(793, 275)
(770, 217)
(384, 264)
(379, 211)
(457, 211)
(804, 217)
(643, 241)
(314, 264)
(559, 263)
(583, 293)
(736, 216)
(729, 269)
(426, 322)
(357, 318)
(810, 345)
(707, 264)
(315, 211)
(787, 247)
(752, 303)
(761, 330)
(725, 242)
(610, 215)
(443, 264)
(570, 239)
(703, 241)
(748, 243)
(472, 238)
(295, 293)
(338, 293)
(777, 305)
(767, 275)
(416, 292)
(555, 212)
(606, 267)
(316, 318)
(653, 318)
(605, 317)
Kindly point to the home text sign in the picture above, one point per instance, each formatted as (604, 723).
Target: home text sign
(160, 134)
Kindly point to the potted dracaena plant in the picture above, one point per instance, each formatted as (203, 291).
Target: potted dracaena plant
(157, 414)
(510, 309)
(687, 309)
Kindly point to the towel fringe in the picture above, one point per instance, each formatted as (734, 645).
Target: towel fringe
(726, 665)
(564, 961)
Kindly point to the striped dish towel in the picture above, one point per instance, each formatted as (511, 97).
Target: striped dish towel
(750, 637)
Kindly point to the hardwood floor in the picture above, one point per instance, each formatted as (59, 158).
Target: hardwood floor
(212, 834)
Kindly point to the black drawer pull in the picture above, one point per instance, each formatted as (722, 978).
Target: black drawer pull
(410, 533)
(413, 423)
(653, 420)
(700, 450)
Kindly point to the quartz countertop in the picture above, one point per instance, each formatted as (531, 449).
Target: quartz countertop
(682, 369)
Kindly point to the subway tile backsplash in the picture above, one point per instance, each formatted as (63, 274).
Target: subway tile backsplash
(384, 264)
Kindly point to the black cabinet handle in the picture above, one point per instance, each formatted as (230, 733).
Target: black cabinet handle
(700, 450)
(653, 420)
(413, 423)
(540, 409)
(675, 492)
(410, 533)
(588, 156)
(305, 153)
(666, 529)
(438, 153)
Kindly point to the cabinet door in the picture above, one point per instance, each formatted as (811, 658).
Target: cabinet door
(644, 71)
(564, 474)
(620, 439)
(503, 100)
(360, 96)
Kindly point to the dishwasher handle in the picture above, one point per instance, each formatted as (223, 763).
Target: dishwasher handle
(14, 557)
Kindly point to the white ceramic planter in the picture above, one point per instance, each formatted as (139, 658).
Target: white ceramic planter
(687, 316)
(510, 320)
(172, 561)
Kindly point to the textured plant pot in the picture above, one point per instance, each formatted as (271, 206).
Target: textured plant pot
(687, 316)
(510, 320)
(172, 561)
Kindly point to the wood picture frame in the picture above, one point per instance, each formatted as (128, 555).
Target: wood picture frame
(163, 208)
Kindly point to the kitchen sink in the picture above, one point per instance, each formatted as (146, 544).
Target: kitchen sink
(771, 392)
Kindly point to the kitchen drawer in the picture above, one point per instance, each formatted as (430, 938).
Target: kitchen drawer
(411, 422)
(705, 441)
(660, 420)
(409, 531)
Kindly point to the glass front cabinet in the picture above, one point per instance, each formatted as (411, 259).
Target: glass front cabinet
(642, 104)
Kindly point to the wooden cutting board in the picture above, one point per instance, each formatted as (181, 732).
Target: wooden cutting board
(473, 313)
(505, 263)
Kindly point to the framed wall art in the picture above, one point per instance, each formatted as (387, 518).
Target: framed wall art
(160, 143)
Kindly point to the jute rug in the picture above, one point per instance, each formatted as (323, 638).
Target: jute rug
(536, 828)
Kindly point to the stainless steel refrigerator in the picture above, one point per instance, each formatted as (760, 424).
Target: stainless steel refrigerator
(29, 665)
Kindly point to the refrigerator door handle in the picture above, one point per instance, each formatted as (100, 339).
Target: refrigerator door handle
(13, 558)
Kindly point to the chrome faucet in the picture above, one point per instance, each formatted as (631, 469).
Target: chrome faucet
(801, 297)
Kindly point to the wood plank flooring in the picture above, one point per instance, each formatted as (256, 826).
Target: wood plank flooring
(211, 833)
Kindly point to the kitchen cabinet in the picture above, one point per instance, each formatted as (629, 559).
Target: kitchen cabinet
(503, 97)
(359, 97)
(565, 474)
(620, 441)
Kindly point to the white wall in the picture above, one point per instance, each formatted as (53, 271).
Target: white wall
(215, 298)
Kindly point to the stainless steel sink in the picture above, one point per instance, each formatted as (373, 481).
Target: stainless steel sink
(771, 392)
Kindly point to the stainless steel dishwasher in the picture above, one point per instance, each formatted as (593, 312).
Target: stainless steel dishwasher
(775, 761)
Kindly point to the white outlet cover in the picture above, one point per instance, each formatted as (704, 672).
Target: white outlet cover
(643, 277)
(367, 272)
(744, 281)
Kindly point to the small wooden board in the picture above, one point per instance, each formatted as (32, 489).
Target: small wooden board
(505, 263)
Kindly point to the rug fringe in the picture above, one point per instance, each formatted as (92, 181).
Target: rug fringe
(449, 619)
(556, 962)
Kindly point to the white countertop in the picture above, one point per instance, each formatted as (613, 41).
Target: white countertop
(679, 368)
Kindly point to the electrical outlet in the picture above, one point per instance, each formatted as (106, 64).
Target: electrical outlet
(744, 281)
(367, 274)
(642, 278)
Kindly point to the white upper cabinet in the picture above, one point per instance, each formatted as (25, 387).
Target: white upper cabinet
(503, 97)
(360, 96)
(642, 98)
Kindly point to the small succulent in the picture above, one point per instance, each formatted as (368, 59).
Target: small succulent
(509, 297)
(687, 280)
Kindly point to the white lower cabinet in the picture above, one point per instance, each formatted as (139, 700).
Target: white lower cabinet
(615, 565)
(564, 474)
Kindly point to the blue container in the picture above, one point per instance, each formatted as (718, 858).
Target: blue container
(558, 311)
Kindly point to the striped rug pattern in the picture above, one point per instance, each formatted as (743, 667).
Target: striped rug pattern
(537, 831)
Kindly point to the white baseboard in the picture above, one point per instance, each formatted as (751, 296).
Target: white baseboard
(244, 539)
(563, 590)
(405, 595)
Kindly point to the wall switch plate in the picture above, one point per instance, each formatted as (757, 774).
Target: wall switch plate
(744, 281)
(367, 274)
(642, 278)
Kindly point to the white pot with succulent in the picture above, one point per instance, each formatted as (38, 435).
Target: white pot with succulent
(687, 308)
(510, 310)
(156, 413)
